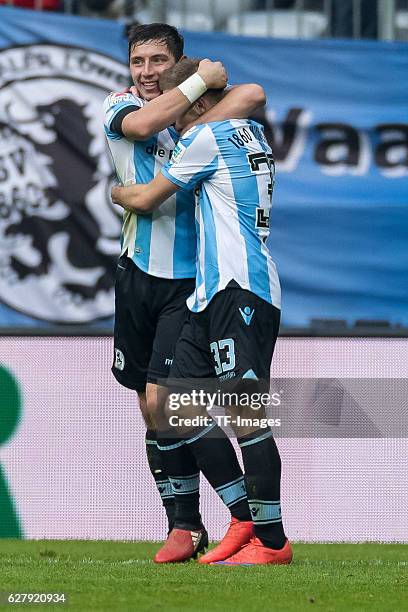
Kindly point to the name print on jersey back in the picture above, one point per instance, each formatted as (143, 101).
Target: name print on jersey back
(232, 164)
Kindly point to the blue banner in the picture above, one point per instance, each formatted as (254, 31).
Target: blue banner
(337, 121)
(59, 233)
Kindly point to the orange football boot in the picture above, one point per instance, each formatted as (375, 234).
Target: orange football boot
(239, 533)
(182, 545)
(255, 553)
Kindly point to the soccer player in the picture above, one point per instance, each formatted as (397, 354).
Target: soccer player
(235, 307)
(156, 270)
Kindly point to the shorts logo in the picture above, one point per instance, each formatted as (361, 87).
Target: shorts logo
(247, 314)
(168, 361)
(119, 360)
(59, 232)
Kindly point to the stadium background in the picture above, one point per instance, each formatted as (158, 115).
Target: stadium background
(71, 457)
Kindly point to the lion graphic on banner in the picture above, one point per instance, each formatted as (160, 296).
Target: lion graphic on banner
(58, 229)
(78, 230)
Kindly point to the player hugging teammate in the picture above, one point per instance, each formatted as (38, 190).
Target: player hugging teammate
(227, 330)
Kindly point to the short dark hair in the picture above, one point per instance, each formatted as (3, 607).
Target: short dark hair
(160, 32)
(178, 73)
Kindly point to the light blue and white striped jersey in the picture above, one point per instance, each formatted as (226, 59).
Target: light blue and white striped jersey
(162, 243)
(231, 164)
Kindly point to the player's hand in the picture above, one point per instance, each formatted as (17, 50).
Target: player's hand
(213, 74)
(134, 90)
(115, 194)
(128, 197)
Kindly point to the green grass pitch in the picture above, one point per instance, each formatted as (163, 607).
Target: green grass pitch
(121, 576)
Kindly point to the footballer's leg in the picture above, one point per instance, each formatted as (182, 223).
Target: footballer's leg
(213, 451)
(254, 336)
(134, 332)
(152, 398)
(185, 473)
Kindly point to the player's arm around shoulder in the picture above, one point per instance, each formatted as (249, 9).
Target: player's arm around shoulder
(239, 102)
(145, 198)
(164, 110)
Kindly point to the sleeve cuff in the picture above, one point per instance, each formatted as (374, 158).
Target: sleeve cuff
(121, 107)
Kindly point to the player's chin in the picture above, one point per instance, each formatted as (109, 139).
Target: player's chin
(150, 94)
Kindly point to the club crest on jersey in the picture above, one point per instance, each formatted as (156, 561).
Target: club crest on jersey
(117, 98)
(58, 230)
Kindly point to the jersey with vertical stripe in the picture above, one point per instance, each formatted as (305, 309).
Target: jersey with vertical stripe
(231, 164)
(162, 243)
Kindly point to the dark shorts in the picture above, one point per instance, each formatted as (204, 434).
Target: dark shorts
(149, 315)
(231, 340)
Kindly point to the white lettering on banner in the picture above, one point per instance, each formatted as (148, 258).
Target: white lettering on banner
(340, 148)
(59, 232)
(50, 60)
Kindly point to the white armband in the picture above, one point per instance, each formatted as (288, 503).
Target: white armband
(193, 87)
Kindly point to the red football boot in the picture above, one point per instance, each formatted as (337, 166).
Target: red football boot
(239, 533)
(255, 553)
(182, 545)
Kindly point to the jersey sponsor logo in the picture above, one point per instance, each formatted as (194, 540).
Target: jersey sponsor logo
(247, 314)
(178, 153)
(58, 229)
(158, 151)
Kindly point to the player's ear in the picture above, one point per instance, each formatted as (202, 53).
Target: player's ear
(199, 106)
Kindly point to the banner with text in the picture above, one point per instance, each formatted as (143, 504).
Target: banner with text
(337, 122)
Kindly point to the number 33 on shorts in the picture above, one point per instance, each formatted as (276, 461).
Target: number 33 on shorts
(224, 355)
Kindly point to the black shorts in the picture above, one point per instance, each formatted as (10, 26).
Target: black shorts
(149, 315)
(231, 340)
